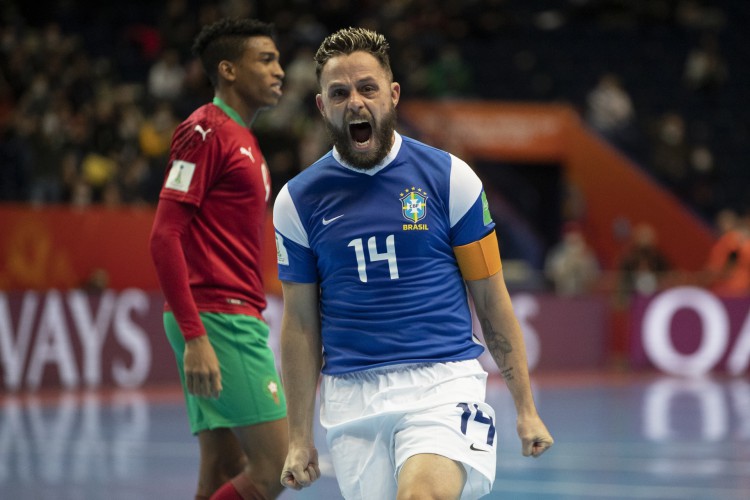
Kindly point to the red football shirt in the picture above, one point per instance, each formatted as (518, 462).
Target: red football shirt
(216, 165)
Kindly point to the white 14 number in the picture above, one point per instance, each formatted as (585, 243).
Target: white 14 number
(389, 255)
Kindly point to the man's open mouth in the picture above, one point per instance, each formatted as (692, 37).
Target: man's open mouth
(361, 133)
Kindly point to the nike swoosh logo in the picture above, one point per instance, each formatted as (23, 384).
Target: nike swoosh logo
(472, 447)
(328, 221)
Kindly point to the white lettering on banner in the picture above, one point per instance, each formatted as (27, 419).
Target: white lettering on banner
(657, 338)
(43, 338)
(52, 345)
(712, 410)
(715, 334)
(14, 353)
(91, 332)
(132, 337)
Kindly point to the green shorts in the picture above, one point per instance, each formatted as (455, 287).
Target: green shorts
(251, 387)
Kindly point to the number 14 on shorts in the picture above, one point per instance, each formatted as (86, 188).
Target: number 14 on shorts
(472, 413)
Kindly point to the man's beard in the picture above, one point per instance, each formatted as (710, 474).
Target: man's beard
(382, 132)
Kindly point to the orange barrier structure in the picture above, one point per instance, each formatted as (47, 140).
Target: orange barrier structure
(612, 186)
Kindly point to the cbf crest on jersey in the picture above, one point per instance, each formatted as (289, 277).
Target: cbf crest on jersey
(414, 208)
(414, 204)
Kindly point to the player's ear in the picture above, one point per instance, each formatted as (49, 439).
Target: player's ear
(395, 92)
(319, 103)
(226, 70)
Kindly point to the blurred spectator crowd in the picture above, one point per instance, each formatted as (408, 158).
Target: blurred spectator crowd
(91, 92)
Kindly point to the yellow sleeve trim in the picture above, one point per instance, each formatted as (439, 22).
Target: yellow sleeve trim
(479, 259)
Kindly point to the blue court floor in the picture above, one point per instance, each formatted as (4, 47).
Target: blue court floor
(617, 437)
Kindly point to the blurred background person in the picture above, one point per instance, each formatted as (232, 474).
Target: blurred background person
(610, 111)
(705, 69)
(643, 268)
(166, 77)
(728, 264)
(571, 265)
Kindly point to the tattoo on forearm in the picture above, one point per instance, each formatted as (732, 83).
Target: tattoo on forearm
(508, 374)
(499, 347)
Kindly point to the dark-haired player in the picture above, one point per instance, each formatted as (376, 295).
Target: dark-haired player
(206, 245)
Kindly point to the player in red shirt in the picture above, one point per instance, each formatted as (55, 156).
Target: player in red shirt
(206, 246)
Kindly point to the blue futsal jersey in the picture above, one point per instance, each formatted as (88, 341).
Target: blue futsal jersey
(380, 245)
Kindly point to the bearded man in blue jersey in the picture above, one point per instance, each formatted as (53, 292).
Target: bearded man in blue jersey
(377, 243)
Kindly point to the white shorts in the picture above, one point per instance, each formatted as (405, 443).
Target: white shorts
(376, 419)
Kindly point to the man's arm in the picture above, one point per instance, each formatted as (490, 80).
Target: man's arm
(504, 340)
(301, 361)
(172, 220)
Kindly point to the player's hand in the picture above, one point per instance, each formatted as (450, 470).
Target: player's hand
(535, 438)
(301, 468)
(202, 373)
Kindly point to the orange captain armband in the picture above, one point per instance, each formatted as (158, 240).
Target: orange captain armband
(479, 259)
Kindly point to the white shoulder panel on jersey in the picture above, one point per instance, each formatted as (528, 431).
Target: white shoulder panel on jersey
(465, 188)
(286, 219)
